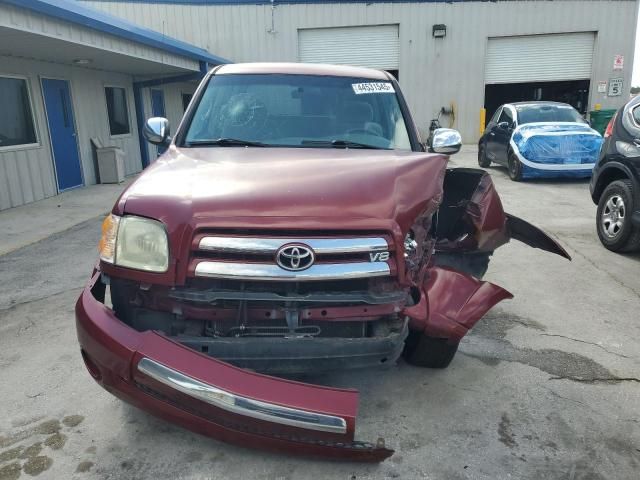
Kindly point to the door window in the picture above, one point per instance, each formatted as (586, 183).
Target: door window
(186, 100)
(636, 115)
(496, 115)
(506, 116)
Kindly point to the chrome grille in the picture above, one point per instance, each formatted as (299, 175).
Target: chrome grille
(253, 258)
(270, 245)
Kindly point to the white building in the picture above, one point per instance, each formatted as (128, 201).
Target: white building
(457, 53)
(70, 75)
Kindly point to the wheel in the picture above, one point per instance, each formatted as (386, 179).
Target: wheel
(423, 351)
(515, 167)
(613, 220)
(483, 160)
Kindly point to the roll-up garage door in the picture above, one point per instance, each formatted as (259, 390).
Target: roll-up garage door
(371, 46)
(539, 58)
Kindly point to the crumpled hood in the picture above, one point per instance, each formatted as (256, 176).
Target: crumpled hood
(225, 186)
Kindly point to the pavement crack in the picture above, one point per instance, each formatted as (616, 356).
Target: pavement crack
(588, 343)
(572, 400)
(600, 269)
(595, 380)
(38, 299)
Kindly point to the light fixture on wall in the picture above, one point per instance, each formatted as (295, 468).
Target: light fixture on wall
(439, 30)
(82, 61)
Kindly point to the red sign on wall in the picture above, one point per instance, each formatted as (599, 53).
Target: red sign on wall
(618, 62)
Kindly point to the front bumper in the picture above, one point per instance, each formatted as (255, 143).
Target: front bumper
(294, 356)
(213, 398)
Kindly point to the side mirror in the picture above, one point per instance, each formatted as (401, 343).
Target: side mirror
(504, 125)
(157, 131)
(446, 140)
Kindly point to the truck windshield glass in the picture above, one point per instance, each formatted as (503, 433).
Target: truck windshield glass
(298, 111)
(548, 113)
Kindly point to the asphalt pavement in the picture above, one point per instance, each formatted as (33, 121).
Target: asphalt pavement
(546, 386)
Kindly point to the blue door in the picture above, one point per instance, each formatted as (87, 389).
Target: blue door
(157, 110)
(57, 101)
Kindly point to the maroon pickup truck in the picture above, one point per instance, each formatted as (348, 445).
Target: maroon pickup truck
(295, 224)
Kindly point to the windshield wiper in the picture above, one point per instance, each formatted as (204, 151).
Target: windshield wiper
(224, 142)
(339, 144)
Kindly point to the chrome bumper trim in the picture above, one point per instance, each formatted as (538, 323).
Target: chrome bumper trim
(318, 271)
(241, 405)
(270, 245)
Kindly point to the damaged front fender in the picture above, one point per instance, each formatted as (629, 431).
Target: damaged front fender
(451, 303)
(471, 218)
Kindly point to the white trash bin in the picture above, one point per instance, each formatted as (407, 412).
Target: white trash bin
(110, 164)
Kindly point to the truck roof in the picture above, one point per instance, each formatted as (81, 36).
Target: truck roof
(302, 69)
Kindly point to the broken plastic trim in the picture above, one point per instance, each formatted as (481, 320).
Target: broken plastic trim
(531, 235)
(241, 405)
(210, 296)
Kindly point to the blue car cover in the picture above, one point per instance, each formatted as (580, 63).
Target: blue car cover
(556, 149)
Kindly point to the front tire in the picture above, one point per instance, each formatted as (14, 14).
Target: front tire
(515, 167)
(613, 220)
(429, 352)
(483, 160)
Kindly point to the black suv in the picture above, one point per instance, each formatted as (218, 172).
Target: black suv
(615, 184)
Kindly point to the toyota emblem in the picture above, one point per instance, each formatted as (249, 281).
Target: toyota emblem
(295, 257)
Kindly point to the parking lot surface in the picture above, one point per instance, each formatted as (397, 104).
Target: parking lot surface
(546, 386)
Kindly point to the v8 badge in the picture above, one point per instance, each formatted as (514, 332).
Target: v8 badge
(379, 256)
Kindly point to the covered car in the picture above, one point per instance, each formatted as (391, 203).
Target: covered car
(540, 140)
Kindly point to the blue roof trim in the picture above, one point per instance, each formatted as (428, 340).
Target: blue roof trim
(75, 12)
(280, 2)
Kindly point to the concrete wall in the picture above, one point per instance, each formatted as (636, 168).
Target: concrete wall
(433, 73)
(28, 174)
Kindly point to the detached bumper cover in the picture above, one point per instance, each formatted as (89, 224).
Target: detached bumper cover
(442, 315)
(213, 398)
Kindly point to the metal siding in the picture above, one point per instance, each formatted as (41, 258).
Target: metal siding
(75, 13)
(373, 46)
(540, 58)
(36, 23)
(433, 72)
(27, 175)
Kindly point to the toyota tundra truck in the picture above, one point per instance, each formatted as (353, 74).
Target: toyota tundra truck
(296, 224)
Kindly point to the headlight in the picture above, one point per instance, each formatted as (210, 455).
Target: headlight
(134, 242)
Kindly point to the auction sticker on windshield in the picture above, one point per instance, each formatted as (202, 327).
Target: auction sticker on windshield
(373, 87)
